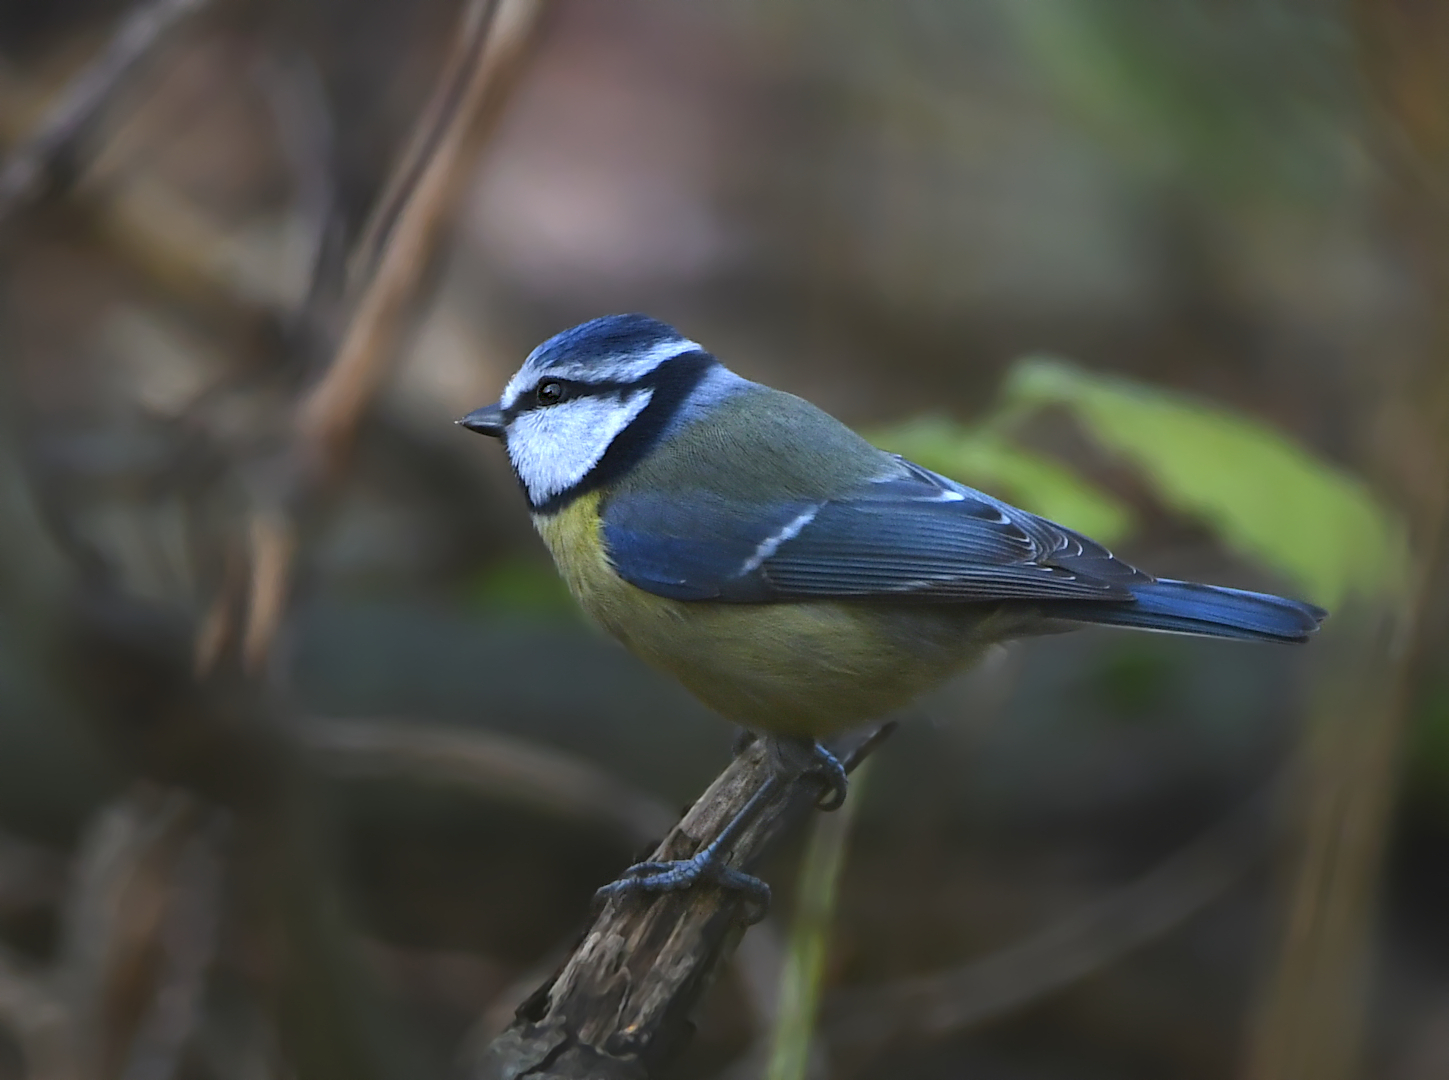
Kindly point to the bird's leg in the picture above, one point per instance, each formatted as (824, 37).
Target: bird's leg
(790, 758)
(744, 739)
(794, 757)
(707, 863)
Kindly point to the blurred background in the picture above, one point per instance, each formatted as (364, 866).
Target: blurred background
(308, 765)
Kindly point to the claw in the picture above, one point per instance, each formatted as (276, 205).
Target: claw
(756, 892)
(657, 877)
(708, 864)
(828, 767)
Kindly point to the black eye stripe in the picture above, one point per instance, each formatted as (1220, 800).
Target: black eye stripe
(573, 389)
(681, 370)
(529, 400)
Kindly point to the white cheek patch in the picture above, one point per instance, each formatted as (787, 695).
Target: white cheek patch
(553, 448)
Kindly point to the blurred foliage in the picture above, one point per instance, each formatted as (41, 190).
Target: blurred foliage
(1265, 497)
(520, 587)
(1235, 97)
(1428, 753)
(1135, 679)
(1238, 98)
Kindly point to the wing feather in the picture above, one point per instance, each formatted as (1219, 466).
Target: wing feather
(912, 535)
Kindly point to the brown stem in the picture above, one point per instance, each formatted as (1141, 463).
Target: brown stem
(383, 279)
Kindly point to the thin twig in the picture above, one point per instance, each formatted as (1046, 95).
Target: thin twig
(115, 912)
(495, 765)
(39, 1022)
(273, 547)
(41, 158)
(435, 125)
(293, 91)
(396, 250)
(619, 1007)
(188, 944)
(423, 188)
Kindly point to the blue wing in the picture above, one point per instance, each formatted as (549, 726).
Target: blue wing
(911, 535)
(916, 536)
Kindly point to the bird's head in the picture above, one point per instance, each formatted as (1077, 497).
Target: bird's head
(590, 402)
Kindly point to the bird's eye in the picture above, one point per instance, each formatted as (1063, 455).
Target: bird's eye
(550, 393)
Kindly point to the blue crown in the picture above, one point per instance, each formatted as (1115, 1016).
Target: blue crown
(609, 338)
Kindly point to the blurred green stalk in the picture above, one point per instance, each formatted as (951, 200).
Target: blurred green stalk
(804, 969)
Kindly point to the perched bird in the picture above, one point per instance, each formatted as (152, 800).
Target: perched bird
(796, 579)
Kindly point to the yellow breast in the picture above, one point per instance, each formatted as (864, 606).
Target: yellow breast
(789, 668)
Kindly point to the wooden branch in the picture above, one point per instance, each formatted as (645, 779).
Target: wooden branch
(619, 1008)
(37, 161)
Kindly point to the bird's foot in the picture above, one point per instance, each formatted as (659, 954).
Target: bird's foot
(658, 877)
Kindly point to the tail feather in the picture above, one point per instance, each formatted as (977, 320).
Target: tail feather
(1185, 607)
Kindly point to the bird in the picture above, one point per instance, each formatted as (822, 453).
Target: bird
(795, 578)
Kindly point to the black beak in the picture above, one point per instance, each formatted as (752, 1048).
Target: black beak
(485, 421)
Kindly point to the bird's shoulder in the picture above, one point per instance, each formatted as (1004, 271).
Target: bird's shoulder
(759, 444)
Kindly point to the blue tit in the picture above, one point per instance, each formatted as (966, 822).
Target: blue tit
(795, 578)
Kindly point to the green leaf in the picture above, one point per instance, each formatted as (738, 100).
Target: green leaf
(982, 458)
(1265, 496)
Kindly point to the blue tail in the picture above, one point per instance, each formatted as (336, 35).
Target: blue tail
(1185, 607)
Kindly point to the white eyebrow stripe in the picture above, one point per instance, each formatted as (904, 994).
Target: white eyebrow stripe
(771, 544)
(631, 366)
(621, 368)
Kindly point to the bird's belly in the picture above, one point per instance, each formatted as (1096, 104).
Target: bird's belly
(807, 668)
